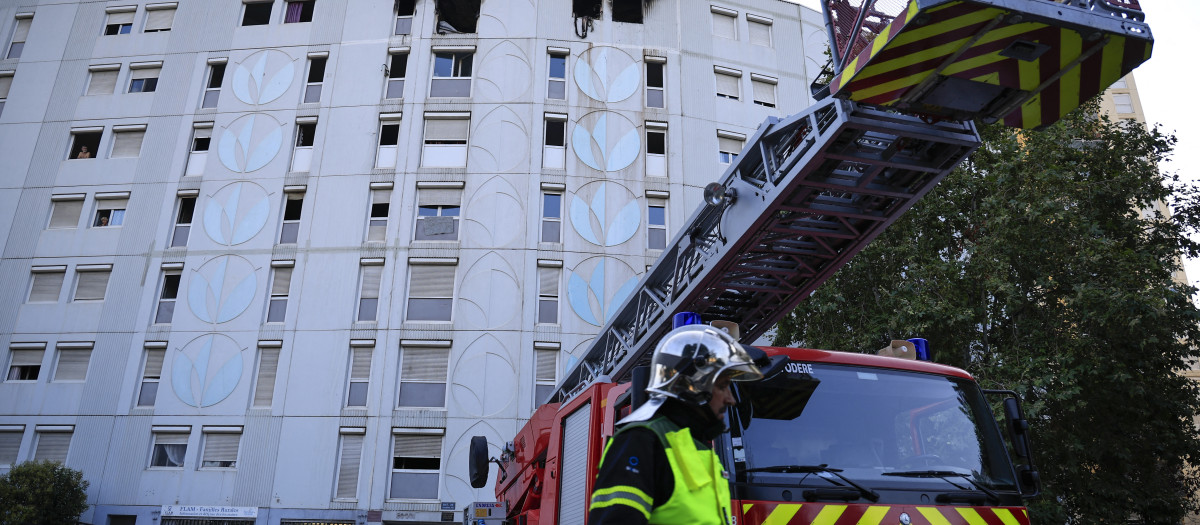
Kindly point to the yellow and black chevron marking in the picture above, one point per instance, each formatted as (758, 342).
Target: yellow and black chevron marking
(920, 41)
(763, 513)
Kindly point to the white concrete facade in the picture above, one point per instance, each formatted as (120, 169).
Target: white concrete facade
(368, 276)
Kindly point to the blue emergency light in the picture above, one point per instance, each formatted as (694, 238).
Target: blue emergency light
(922, 347)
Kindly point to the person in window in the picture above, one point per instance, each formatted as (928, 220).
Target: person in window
(659, 466)
(83, 153)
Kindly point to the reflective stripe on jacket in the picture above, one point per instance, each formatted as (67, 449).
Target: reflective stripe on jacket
(701, 493)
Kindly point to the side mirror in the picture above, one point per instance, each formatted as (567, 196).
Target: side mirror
(1017, 427)
(480, 465)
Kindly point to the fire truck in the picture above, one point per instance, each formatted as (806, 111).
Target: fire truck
(835, 437)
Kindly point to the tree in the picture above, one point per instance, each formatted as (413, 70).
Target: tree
(42, 492)
(1032, 267)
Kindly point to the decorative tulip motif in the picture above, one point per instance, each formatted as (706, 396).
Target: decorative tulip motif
(206, 370)
(607, 74)
(624, 224)
(587, 296)
(250, 82)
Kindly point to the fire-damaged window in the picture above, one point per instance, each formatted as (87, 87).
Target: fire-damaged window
(457, 16)
(628, 11)
(586, 8)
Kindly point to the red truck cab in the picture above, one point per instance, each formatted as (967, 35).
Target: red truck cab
(829, 438)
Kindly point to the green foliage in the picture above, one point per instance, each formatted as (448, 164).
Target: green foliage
(1031, 267)
(42, 493)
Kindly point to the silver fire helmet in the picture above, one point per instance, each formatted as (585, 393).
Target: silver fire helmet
(689, 359)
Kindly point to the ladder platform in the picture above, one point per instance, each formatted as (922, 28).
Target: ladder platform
(1028, 62)
(808, 191)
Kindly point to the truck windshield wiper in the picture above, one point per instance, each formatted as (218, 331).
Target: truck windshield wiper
(816, 469)
(945, 475)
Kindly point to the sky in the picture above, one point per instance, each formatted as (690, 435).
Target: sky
(1164, 83)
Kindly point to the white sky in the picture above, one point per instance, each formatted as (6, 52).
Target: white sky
(1163, 84)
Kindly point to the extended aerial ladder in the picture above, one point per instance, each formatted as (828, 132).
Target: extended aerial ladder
(809, 191)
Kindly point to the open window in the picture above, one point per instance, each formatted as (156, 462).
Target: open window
(85, 142)
(628, 11)
(457, 16)
(405, 9)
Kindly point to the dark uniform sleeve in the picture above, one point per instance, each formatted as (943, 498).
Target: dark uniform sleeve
(634, 478)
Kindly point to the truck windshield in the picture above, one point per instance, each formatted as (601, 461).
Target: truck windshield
(871, 424)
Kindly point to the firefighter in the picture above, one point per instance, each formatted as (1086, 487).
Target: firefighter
(659, 467)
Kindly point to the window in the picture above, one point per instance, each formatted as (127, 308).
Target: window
(437, 214)
(430, 292)
(416, 466)
(159, 17)
(281, 284)
(556, 86)
(349, 457)
(221, 447)
(628, 11)
(298, 11)
(586, 8)
(198, 154)
(6, 78)
(655, 82)
(656, 149)
(168, 293)
(257, 13)
(183, 221)
(85, 142)
(1121, 83)
(360, 375)
(371, 272)
(117, 519)
(405, 9)
(1124, 102)
(65, 210)
(389, 138)
(109, 212)
(377, 222)
(47, 284)
(548, 279)
(451, 74)
(73, 359)
(396, 71)
(423, 376)
(24, 364)
(10, 445)
(127, 141)
(293, 204)
(119, 20)
(306, 131)
(724, 22)
(551, 217)
(102, 79)
(459, 16)
(53, 445)
(316, 78)
(760, 30)
(91, 281)
(545, 374)
(728, 147)
(20, 33)
(264, 385)
(212, 88)
(764, 89)
(445, 140)
(169, 449)
(151, 373)
(728, 81)
(555, 151)
(143, 79)
(656, 224)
